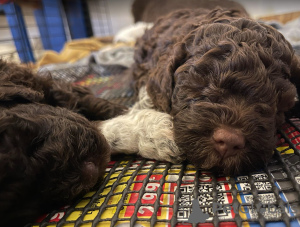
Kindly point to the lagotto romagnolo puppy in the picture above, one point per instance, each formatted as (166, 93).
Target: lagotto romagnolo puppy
(213, 88)
(51, 152)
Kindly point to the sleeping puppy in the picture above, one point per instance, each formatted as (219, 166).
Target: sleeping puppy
(51, 152)
(213, 88)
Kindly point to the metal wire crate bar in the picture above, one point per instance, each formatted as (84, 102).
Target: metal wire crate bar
(52, 24)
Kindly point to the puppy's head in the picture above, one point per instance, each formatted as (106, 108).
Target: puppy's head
(230, 124)
(232, 98)
(227, 86)
(48, 157)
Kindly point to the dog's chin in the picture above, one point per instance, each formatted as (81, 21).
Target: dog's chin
(242, 163)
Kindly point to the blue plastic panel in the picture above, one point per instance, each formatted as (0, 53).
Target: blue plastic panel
(54, 22)
(75, 16)
(18, 30)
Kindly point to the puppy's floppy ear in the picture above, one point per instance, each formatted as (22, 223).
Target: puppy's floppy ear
(161, 81)
(14, 141)
(18, 183)
(17, 131)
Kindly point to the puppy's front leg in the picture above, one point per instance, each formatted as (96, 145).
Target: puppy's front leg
(146, 132)
(81, 100)
(21, 85)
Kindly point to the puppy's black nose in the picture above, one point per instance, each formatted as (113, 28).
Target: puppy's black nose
(228, 141)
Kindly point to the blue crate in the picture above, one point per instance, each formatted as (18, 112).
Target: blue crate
(76, 18)
(50, 22)
(43, 29)
(18, 30)
(53, 19)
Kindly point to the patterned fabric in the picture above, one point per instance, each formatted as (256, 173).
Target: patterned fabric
(148, 192)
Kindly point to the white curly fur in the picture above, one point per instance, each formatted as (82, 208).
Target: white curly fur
(144, 131)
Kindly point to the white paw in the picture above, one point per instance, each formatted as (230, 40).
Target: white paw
(146, 132)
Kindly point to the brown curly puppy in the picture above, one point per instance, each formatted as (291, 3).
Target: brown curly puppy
(225, 79)
(50, 153)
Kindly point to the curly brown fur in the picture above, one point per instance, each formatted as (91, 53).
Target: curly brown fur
(50, 153)
(215, 70)
(20, 85)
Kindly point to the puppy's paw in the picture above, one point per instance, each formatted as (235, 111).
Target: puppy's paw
(146, 132)
(162, 149)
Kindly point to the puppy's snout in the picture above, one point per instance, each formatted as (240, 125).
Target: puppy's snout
(228, 141)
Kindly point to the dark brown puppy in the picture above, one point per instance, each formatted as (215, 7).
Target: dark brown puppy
(50, 153)
(226, 80)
